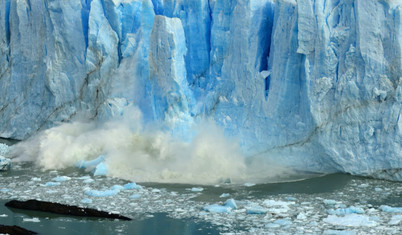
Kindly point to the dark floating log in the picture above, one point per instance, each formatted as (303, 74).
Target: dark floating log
(14, 230)
(62, 209)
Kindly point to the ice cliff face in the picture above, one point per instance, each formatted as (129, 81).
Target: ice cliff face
(312, 84)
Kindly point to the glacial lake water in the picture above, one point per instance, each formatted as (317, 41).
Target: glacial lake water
(317, 205)
(322, 204)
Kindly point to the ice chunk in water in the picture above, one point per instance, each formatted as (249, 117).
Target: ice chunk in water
(100, 169)
(256, 210)
(86, 200)
(61, 178)
(231, 203)
(215, 208)
(90, 164)
(100, 193)
(132, 185)
(197, 189)
(117, 187)
(135, 196)
(390, 209)
(338, 232)
(344, 211)
(50, 183)
(353, 220)
(33, 220)
(395, 220)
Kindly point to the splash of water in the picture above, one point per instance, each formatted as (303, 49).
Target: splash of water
(145, 154)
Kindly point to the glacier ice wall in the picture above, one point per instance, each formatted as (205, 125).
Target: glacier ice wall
(310, 84)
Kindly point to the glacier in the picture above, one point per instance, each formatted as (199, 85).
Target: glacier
(312, 85)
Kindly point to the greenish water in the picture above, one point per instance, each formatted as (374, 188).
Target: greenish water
(157, 223)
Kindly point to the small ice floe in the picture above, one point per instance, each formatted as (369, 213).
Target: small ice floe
(330, 202)
(117, 187)
(5, 190)
(132, 185)
(87, 181)
(352, 220)
(249, 184)
(290, 199)
(197, 189)
(225, 195)
(395, 220)
(231, 203)
(51, 184)
(338, 232)
(256, 210)
(215, 208)
(101, 193)
(86, 201)
(36, 179)
(33, 220)
(279, 223)
(61, 178)
(278, 207)
(5, 163)
(135, 196)
(391, 209)
(85, 177)
(344, 211)
(3, 216)
(301, 216)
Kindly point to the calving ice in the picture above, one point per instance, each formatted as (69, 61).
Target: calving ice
(311, 85)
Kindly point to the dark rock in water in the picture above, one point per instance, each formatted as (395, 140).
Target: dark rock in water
(62, 209)
(14, 230)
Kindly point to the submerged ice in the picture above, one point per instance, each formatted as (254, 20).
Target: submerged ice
(310, 85)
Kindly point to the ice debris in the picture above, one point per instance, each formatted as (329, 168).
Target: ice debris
(86, 201)
(197, 189)
(338, 232)
(102, 193)
(256, 210)
(33, 220)
(395, 220)
(61, 178)
(50, 184)
(353, 220)
(135, 196)
(391, 209)
(215, 208)
(90, 164)
(344, 211)
(100, 169)
(231, 203)
(132, 185)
